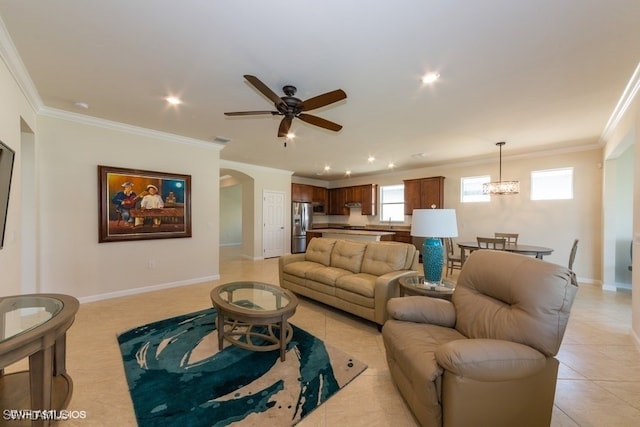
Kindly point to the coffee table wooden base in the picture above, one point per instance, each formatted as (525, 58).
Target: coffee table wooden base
(254, 337)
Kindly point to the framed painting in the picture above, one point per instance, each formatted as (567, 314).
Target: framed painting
(140, 205)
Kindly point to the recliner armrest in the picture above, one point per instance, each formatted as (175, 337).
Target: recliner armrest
(421, 309)
(489, 359)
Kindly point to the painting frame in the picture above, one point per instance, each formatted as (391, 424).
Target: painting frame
(126, 213)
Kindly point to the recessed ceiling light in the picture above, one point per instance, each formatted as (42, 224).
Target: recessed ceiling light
(173, 100)
(327, 168)
(291, 135)
(392, 165)
(430, 78)
(371, 159)
(82, 104)
(348, 173)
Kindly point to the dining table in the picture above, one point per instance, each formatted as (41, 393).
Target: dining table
(518, 248)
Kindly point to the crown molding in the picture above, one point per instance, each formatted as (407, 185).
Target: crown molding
(625, 101)
(122, 127)
(16, 67)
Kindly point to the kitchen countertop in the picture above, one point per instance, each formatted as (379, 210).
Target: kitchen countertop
(352, 231)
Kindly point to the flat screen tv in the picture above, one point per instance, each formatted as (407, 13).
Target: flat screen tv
(6, 170)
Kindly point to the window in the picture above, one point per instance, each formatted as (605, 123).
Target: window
(552, 184)
(392, 203)
(471, 189)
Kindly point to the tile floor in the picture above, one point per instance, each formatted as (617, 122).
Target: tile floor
(598, 385)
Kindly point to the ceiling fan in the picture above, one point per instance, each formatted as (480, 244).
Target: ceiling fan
(291, 107)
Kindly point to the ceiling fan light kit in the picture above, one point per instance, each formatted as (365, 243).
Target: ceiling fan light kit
(501, 187)
(291, 107)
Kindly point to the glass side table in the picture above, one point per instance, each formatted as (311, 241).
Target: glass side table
(35, 326)
(415, 285)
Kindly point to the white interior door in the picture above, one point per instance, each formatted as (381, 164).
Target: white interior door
(273, 214)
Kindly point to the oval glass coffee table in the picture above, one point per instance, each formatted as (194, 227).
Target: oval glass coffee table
(416, 285)
(253, 315)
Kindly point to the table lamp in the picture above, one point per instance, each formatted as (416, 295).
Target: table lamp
(433, 224)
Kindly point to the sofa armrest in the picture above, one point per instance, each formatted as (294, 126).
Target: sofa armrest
(489, 359)
(387, 287)
(286, 259)
(422, 309)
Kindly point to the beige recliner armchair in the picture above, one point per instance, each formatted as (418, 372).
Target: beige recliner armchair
(487, 357)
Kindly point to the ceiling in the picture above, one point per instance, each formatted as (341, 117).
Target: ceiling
(539, 74)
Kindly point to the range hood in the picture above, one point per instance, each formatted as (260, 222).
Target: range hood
(353, 205)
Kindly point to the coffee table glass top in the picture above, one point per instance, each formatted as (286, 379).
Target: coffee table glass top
(20, 314)
(254, 296)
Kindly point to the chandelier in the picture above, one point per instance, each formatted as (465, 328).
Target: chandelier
(500, 186)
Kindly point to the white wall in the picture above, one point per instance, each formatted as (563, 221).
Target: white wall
(71, 259)
(262, 179)
(231, 215)
(13, 108)
(544, 223)
(624, 216)
(624, 132)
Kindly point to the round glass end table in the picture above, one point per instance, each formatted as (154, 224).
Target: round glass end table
(253, 315)
(35, 326)
(416, 285)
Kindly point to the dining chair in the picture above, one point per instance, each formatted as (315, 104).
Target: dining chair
(512, 238)
(572, 255)
(491, 243)
(453, 260)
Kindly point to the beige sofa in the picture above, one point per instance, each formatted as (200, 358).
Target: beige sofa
(357, 277)
(486, 358)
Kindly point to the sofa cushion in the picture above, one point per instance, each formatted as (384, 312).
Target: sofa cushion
(319, 250)
(362, 284)
(327, 275)
(381, 258)
(348, 255)
(301, 268)
(413, 345)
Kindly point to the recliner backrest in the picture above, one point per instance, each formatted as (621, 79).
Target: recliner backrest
(513, 297)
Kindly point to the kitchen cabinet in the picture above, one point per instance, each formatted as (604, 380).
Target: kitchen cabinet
(403, 236)
(319, 195)
(369, 199)
(423, 193)
(301, 193)
(310, 194)
(337, 200)
(366, 195)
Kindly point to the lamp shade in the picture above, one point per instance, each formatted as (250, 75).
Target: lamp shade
(434, 223)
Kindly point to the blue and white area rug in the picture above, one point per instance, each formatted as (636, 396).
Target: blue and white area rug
(177, 376)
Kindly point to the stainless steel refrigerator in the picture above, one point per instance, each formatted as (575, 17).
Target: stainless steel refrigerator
(301, 221)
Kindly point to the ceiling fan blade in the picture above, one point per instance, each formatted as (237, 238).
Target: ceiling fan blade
(264, 89)
(322, 100)
(285, 125)
(248, 113)
(319, 121)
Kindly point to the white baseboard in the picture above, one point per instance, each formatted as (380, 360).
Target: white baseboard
(135, 291)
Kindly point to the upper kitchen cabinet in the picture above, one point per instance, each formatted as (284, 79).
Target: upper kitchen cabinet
(301, 193)
(308, 193)
(319, 195)
(423, 193)
(369, 199)
(366, 195)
